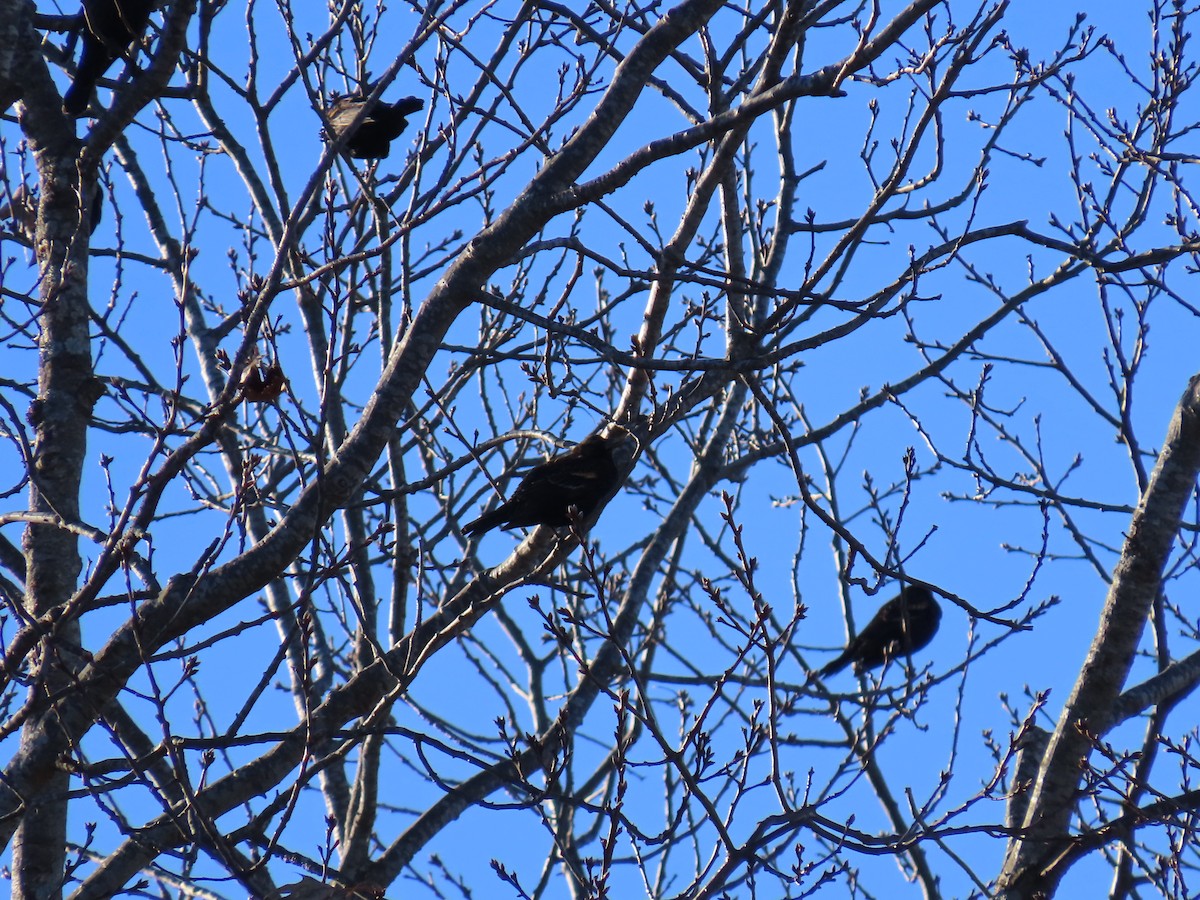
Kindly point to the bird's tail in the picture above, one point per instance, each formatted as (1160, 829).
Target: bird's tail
(75, 100)
(836, 665)
(486, 522)
(93, 61)
(406, 106)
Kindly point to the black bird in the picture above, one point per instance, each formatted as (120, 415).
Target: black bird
(109, 27)
(904, 624)
(579, 478)
(378, 128)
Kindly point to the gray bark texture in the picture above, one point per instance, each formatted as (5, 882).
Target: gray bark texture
(1037, 860)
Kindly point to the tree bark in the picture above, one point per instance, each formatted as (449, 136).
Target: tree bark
(1033, 866)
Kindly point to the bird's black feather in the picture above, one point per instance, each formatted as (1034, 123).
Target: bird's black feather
(381, 125)
(109, 26)
(580, 479)
(904, 624)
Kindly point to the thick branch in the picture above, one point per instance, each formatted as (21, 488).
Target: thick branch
(1092, 709)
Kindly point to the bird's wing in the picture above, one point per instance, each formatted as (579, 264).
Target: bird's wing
(343, 112)
(576, 476)
(573, 475)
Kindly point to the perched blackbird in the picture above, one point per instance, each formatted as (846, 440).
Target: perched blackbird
(109, 26)
(375, 133)
(904, 624)
(579, 478)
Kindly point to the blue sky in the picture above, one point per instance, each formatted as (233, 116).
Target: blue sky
(961, 545)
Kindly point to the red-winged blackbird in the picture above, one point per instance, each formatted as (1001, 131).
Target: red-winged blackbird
(904, 624)
(379, 127)
(109, 26)
(579, 478)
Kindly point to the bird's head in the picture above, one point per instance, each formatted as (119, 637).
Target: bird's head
(621, 444)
